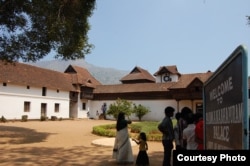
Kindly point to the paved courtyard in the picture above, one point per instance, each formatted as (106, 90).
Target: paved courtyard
(60, 143)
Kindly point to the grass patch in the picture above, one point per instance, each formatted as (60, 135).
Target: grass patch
(149, 127)
(105, 130)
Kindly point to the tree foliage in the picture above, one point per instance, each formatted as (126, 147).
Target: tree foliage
(128, 108)
(31, 29)
(248, 20)
(140, 111)
(120, 105)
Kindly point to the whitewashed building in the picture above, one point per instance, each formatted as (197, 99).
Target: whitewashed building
(36, 92)
(167, 88)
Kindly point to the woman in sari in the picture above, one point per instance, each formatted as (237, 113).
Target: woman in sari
(122, 151)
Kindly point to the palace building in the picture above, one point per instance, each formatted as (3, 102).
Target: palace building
(75, 93)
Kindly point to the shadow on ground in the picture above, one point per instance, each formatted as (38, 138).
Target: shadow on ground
(19, 135)
(16, 148)
(81, 155)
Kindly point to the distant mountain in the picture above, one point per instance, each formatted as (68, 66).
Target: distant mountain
(104, 75)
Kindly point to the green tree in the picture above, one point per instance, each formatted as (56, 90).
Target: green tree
(31, 29)
(120, 105)
(140, 111)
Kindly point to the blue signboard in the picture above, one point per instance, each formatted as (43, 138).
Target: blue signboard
(225, 96)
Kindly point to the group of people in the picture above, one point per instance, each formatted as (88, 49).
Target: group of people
(189, 130)
(187, 135)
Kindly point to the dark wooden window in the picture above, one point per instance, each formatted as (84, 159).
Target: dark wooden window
(83, 106)
(26, 106)
(44, 91)
(57, 107)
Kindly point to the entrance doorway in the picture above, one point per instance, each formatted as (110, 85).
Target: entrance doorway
(44, 110)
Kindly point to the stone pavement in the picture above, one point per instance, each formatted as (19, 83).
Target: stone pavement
(108, 142)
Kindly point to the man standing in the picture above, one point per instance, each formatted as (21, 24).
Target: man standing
(166, 127)
(104, 108)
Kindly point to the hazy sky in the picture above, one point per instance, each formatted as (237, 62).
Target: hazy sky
(194, 35)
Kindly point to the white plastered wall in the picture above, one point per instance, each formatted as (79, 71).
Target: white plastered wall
(156, 107)
(12, 98)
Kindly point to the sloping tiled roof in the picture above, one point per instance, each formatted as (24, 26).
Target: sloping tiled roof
(185, 79)
(128, 88)
(138, 74)
(81, 76)
(27, 75)
(163, 69)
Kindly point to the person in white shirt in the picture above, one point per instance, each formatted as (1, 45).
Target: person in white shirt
(189, 133)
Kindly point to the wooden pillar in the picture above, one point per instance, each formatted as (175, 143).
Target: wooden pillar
(178, 105)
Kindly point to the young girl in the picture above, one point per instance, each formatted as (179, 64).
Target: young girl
(142, 157)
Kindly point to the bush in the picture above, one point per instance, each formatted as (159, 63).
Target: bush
(140, 111)
(120, 105)
(43, 118)
(3, 119)
(24, 118)
(53, 118)
(105, 130)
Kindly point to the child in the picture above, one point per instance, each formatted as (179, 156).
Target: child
(142, 157)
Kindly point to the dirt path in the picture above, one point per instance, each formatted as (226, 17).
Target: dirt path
(60, 143)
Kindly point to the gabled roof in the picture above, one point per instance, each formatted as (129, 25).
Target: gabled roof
(186, 79)
(138, 75)
(196, 83)
(27, 75)
(133, 88)
(81, 76)
(167, 69)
